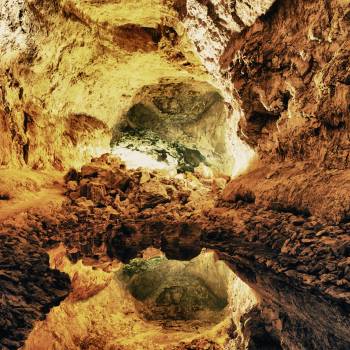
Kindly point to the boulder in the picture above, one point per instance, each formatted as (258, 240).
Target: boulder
(152, 194)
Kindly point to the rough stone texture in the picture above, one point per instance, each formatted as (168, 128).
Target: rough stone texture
(178, 290)
(297, 187)
(298, 266)
(192, 113)
(288, 260)
(69, 61)
(283, 228)
(28, 287)
(291, 72)
(88, 59)
(210, 25)
(293, 86)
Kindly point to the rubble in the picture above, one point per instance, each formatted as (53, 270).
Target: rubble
(28, 288)
(293, 262)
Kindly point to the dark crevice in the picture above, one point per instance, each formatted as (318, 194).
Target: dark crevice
(26, 152)
(256, 124)
(328, 9)
(261, 119)
(20, 93)
(73, 17)
(235, 17)
(282, 208)
(286, 96)
(247, 197)
(213, 14)
(27, 119)
(156, 34)
(334, 125)
(4, 197)
(270, 15)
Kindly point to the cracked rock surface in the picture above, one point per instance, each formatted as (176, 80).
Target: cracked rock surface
(276, 77)
(297, 265)
(28, 287)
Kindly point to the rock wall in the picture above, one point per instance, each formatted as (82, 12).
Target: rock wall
(189, 113)
(80, 58)
(90, 58)
(295, 267)
(285, 73)
(291, 71)
(28, 287)
(69, 72)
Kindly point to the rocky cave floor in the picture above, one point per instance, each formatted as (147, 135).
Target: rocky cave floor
(119, 259)
(298, 265)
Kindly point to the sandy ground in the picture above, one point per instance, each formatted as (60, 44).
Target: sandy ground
(28, 189)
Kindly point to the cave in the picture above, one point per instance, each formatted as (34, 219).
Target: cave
(174, 290)
(174, 175)
(172, 122)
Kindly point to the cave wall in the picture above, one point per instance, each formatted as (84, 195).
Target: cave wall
(282, 66)
(89, 58)
(65, 59)
(184, 113)
(286, 75)
(291, 71)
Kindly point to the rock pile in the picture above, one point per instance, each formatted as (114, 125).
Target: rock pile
(305, 249)
(110, 202)
(101, 198)
(298, 265)
(28, 288)
(106, 182)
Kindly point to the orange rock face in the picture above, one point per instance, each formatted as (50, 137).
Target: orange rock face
(258, 89)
